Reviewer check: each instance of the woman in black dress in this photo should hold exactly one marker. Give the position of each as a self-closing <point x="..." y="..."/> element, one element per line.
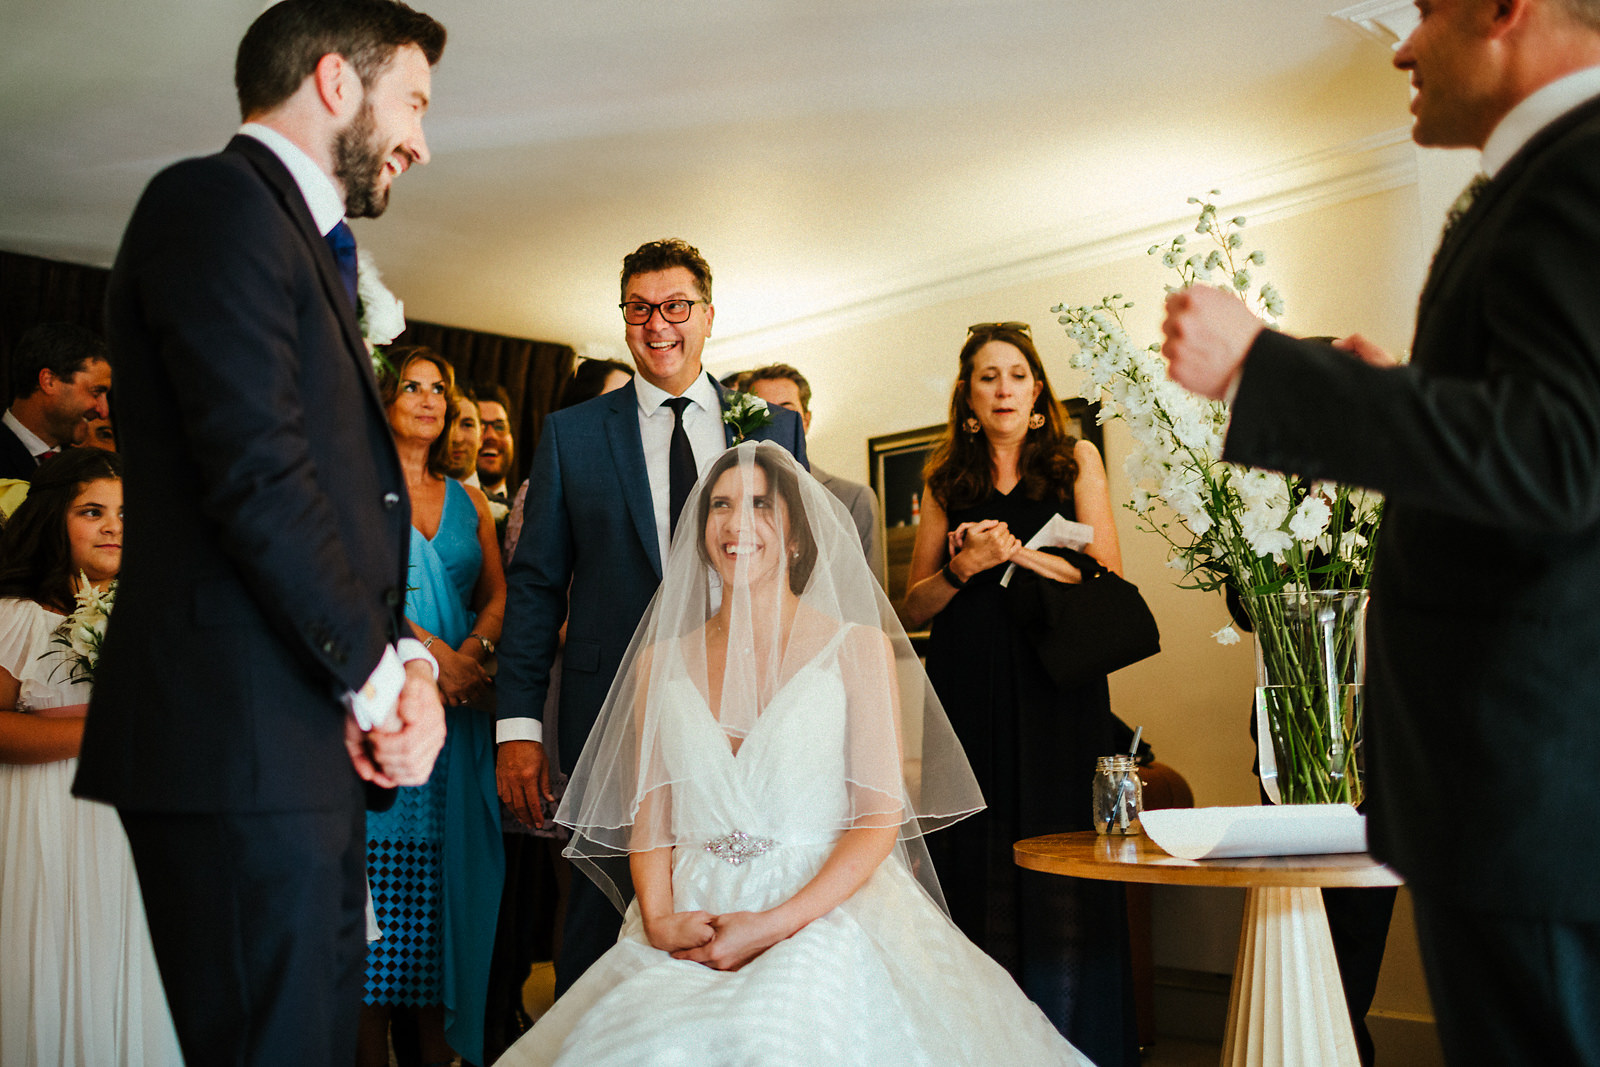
<point x="1005" y="467"/>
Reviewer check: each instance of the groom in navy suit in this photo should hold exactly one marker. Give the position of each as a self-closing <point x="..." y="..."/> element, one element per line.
<point x="1484" y="673"/>
<point x="258" y="633"/>
<point x="608" y="478"/>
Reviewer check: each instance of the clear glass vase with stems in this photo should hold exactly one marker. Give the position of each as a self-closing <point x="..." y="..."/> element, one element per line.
<point x="1310" y="667"/>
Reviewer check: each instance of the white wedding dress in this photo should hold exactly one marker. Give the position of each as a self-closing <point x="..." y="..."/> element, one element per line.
<point x="884" y="979"/>
<point x="78" y="979"/>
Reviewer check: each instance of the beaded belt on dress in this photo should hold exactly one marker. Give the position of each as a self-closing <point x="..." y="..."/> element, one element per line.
<point x="738" y="846"/>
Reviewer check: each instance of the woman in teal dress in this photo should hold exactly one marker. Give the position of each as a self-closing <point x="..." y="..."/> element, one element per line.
<point x="434" y="859"/>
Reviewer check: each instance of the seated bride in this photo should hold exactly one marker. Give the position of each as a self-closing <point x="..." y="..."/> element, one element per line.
<point x="761" y="775"/>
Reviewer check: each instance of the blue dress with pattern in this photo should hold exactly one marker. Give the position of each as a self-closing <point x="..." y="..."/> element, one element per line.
<point x="435" y="860"/>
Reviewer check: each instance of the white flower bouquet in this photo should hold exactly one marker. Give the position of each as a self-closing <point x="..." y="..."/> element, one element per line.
<point x="1268" y="536"/>
<point x="81" y="634"/>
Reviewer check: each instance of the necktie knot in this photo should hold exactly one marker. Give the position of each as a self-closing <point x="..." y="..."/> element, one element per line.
<point x="342" y="243"/>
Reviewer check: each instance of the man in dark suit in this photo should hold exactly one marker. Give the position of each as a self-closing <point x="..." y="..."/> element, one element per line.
<point x="600" y="508"/>
<point x="1484" y="671"/>
<point x="59" y="381"/>
<point x="258" y="622"/>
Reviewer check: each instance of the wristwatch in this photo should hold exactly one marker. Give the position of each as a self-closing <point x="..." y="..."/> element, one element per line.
<point x="488" y="645"/>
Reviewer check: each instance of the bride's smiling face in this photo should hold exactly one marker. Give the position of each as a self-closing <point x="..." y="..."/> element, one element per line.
<point x="757" y="535"/>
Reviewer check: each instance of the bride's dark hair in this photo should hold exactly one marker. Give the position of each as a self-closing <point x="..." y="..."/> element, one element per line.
<point x="35" y="555"/>
<point x="782" y="482"/>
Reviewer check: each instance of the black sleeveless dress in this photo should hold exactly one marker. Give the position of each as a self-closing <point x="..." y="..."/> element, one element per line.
<point x="1032" y="746"/>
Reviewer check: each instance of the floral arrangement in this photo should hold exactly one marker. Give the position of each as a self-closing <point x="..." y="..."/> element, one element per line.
<point x="382" y="315"/>
<point x="745" y="413"/>
<point x="81" y="634"/>
<point x="1264" y="534"/>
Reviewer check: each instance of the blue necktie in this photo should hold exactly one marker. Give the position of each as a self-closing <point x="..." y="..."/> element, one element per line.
<point x="343" y="244"/>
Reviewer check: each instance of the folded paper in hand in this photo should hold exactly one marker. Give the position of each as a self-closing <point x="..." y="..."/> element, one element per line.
<point x="1057" y="533"/>
<point x="1275" y="830"/>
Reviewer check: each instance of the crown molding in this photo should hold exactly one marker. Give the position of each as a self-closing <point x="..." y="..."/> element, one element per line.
<point x="1387" y="21"/>
<point x="1364" y="167"/>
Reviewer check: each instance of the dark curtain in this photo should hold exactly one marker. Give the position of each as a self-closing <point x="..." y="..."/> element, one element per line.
<point x="34" y="290"/>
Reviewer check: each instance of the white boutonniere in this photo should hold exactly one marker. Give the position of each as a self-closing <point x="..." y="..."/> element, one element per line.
<point x="81" y="633"/>
<point x="382" y="315"/>
<point x="746" y="413"/>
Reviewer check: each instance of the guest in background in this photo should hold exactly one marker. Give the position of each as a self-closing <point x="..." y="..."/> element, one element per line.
<point x="609" y="479"/>
<point x="78" y="978"/>
<point x="466" y="435"/>
<point x="59" y="380"/>
<point x="1004" y="468"/>
<point x="783" y="385"/>
<point x="434" y="859"/>
<point x="736" y="380"/>
<point x="498" y="450"/>
<point x="102" y="433"/>
<point x="534" y="867"/>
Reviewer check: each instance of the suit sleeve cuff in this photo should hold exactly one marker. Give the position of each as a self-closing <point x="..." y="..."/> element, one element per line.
<point x="518" y="730"/>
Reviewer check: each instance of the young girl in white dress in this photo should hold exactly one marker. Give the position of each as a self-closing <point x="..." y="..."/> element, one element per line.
<point x="78" y="980"/>
<point x="762" y="774"/>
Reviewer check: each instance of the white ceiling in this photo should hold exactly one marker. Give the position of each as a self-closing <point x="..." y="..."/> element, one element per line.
<point x="828" y="156"/>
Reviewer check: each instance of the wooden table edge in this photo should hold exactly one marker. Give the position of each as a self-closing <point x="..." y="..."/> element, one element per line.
<point x="1071" y="854"/>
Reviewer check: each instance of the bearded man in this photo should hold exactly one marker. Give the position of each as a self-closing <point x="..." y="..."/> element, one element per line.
<point x="256" y="674"/>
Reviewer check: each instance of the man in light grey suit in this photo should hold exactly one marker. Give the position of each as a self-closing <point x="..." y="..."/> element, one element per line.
<point x="595" y="529"/>
<point x="781" y="385"/>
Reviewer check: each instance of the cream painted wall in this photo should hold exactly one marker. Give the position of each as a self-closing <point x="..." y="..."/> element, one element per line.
<point x="1345" y="267"/>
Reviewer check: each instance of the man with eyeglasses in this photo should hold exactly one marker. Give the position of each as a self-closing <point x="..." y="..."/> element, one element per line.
<point x="608" y="479"/>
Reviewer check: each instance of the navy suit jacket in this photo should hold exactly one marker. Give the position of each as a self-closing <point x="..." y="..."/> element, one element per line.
<point x="1483" y="669"/>
<point x="588" y="526"/>
<point x="15" y="459"/>
<point x="268" y="523"/>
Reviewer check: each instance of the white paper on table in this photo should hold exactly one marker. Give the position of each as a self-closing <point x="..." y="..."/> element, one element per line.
<point x="1057" y="533"/>
<point x="1275" y="830"/>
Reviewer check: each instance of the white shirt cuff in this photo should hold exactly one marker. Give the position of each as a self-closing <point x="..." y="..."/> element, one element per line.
<point x="518" y="730"/>
<point x="374" y="703"/>
<point x="409" y="648"/>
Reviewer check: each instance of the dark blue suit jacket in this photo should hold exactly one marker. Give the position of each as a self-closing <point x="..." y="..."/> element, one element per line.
<point x="1483" y="669"/>
<point x="588" y="526"/>
<point x="267" y="518"/>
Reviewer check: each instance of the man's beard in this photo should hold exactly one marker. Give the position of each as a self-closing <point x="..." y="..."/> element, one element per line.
<point x="357" y="164"/>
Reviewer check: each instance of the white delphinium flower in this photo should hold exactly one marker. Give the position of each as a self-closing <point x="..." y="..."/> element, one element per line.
<point x="1310" y="519"/>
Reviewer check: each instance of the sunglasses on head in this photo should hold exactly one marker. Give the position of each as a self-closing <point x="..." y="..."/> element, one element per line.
<point x="991" y="327"/>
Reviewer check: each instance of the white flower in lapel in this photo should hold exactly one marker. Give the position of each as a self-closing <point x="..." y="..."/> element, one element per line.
<point x="382" y="315"/>
<point x="746" y="413"/>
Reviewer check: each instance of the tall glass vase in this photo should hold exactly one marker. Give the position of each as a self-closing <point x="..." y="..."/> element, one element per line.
<point x="1310" y="666"/>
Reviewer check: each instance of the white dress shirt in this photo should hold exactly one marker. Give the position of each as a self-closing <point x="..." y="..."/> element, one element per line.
<point x="702" y="421"/>
<point x="1535" y="113"/>
<point x="374" y="702"/>
<point x="36" y="445"/>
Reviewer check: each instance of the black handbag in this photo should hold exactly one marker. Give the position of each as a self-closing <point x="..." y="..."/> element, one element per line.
<point x="1084" y="630"/>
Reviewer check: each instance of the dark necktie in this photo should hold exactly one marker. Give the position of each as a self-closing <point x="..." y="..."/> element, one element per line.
<point x="680" y="465"/>
<point x="343" y="244"/>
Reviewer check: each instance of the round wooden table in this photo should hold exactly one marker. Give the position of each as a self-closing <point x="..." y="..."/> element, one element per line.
<point x="1287" y="1006"/>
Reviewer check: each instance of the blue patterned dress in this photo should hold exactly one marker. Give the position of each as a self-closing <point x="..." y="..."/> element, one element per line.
<point x="434" y="859"/>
